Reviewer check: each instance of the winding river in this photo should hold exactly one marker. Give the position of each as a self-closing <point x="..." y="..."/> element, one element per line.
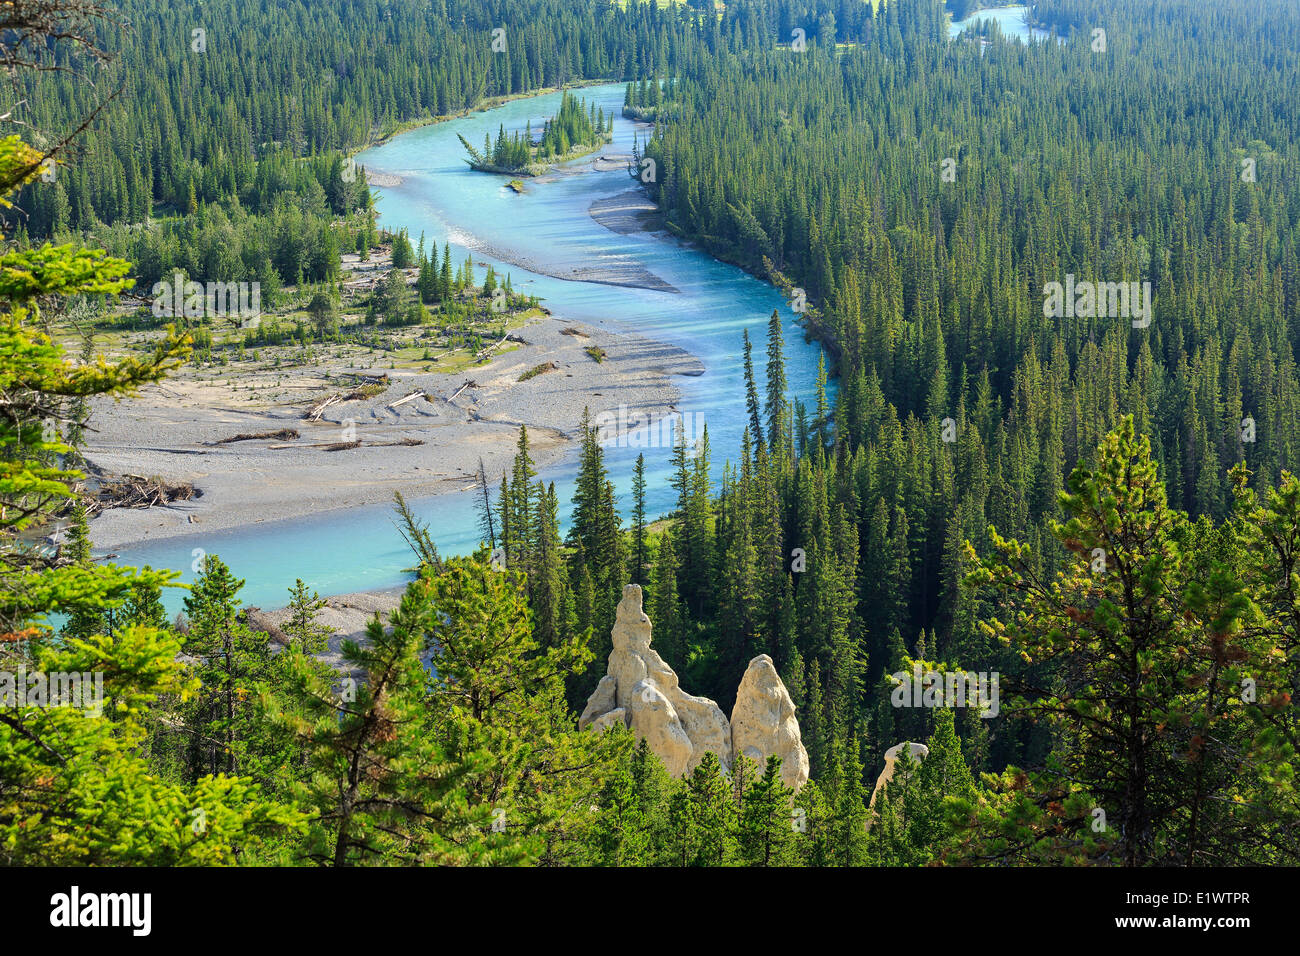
<point x="549" y="228"/>
<point x="1011" y="20"/>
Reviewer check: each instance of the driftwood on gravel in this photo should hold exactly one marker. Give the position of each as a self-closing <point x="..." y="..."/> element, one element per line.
<point x="469" y="383"/>
<point x="487" y="350"/>
<point x="318" y="408"/>
<point x="370" y="386"/>
<point x="406" y="398"/>
<point x="135" y="491"/>
<point x="284" y="434"/>
<point x="347" y="445"/>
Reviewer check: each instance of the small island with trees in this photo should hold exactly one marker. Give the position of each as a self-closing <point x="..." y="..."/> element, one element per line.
<point x="575" y="131"/>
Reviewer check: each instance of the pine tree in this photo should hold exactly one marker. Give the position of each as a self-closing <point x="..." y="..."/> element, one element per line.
<point x="711" y="813"/>
<point x="230" y="659"/>
<point x="1159" y="633"/>
<point x="445" y="283"/>
<point x="942" y="774"/>
<point x="383" y="786"/>
<point x="548" y="584"/>
<point x="496" y="690"/>
<point x="851" y="813"/>
<point x="638" y="522"/>
<point x="301" y="625"/>
<point x="777" y="407"/>
<point x="665" y="605"/>
<point x="519" y="507"/>
<point x="88" y="618"/>
<point x="751" y="392"/>
<point x="764" y="834"/>
<point x="143" y="607"/>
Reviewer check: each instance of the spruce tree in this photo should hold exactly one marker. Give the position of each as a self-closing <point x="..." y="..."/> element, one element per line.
<point x="764" y="831"/>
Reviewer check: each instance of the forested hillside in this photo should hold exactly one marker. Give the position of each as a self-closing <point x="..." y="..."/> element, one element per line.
<point x="923" y="193"/>
<point x="218" y="103"/>
<point x="1097" y="507"/>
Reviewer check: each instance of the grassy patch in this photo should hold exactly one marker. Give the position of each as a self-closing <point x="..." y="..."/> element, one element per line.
<point x="537" y="370"/>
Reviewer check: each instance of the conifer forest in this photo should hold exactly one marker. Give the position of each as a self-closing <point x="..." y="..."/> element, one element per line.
<point x="325" y="543"/>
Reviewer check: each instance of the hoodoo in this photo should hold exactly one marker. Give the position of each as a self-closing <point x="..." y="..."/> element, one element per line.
<point x="642" y="691"/>
<point x="763" y="722"/>
<point x="918" y="752"/>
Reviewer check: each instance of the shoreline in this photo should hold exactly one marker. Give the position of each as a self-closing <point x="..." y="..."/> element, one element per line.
<point x="482" y="106"/>
<point x="423" y="448"/>
<point x="347" y="615"/>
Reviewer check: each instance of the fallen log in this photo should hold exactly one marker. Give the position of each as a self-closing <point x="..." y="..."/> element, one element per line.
<point x="482" y="353"/>
<point x="316" y="410"/>
<point x="283" y="433"/>
<point x="371" y="386"/>
<point x="135" y="491"/>
<point x="402" y="401"/>
<point x="469" y="383"/>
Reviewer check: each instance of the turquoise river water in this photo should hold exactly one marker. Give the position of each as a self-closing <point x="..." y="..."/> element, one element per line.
<point x="354" y="549"/>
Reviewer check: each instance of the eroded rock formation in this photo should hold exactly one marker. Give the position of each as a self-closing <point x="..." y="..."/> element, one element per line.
<point x="643" y="692"/>
<point x="763" y="722"/>
<point x="918" y="751"/>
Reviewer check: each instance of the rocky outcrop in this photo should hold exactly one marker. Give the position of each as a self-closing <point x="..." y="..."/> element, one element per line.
<point x="763" y="722"/>
<point x="679" y="727"/>
<point x="643" y="693"/>
<point x="608" y="719"/>
<point x="918" y="751"/>
<point x="602" y="700"/>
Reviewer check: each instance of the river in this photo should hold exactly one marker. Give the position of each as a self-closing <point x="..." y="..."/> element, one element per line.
<point x="1010" y="20"/>
<point x="359" y="548"/>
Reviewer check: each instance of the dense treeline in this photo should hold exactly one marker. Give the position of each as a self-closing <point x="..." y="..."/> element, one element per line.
<point x="922" y="193"/>
<point x="569" y="130"/>
<point x="995" y="490"/>
<point x="309" y="78"/>
<point x="1128" y="165"/>
<point x="250" y="118"/>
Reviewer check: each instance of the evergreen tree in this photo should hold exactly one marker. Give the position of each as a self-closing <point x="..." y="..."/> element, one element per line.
<point x="764" y="834"/>
<point x="301" y="625"/>
<point x="383" y="786"/>
<point x="230" y="659"/>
